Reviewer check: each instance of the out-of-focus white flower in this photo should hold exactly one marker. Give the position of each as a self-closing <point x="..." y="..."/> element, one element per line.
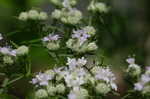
<point x="43" y="16"/>
<point x="66" y="4"/>
<point x="92" y="46"/>
<point x="130" y="60"/>
<point x="41" y="79"/>
<point x="33" y="14"/>
<point x="1" y="37"/>
<point x="56" y="14"/>
<point x="22" y="50"/>
<point x="67" y="16"/>
<point x="101" y="7"/>
<point x="98" y="7"/>
<point x="41" y="93"/>
<point x="23" y="16"/>
<point x="138" y="86"/>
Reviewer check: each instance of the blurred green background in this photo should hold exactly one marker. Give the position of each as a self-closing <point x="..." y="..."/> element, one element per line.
<point x="128" y="34"/>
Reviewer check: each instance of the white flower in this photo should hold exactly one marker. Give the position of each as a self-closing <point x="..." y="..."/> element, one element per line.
<point x="92" y="46"/>
<point x="66" y="4"/>
<point x="43" y="16"/>
<point x="22" y="50"/>
<point x="138" y="86"/>
<point x="81" y="61"/>
<point x="7" y="51"/>
<point x="33" y="14"/>
<point x="23" y="16"/>
<point x="51" y="37"/>
<point x="145" y="78"/>
<point x="101" y="7"/>
<point x="72" y="95"/>
<point x="81" y="35"/>
<point x="73" y="80"/>
<point x="105" y="74"/>
<point x="42" y="79"/>
<point x="130" y="60"/>
<point x="56" y="14"/>
<point x="72" y="63"/>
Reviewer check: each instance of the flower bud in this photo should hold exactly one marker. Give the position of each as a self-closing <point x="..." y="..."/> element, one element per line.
<point x="102" y="88"/>
<point x="22" y="50"/>
<point x="53" y="46"/>
<point x="56" y="14"/>
<point x="134" y="70"/>
<point x="90" y="30"/>
<point x="33" y="14"/>
<point x="23" y="16"/>
<point x="43" y="16"/>
<point x="60" y="88"/>
<point x="8" y="60"/>
<point x="92" y="46"/>
<point x="51" y="90"/>
<point x="41" y="93"/>
<point x="101" y="7"/>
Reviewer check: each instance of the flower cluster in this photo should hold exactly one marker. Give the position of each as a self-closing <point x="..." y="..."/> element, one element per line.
<point x="51" y="41"/>
<point x="143" y="84"/>
<point x="63" y="3"/>
<point x="9" y="55"/>
<point x="134" y="69"/>
<point x="33" y="15"/>
<point x="142" y="77"/>
<point x="67" y="16"/>
<point x="80" y="41"/>
<point x="98" y="7"/>
<point x="71" y="80"/>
